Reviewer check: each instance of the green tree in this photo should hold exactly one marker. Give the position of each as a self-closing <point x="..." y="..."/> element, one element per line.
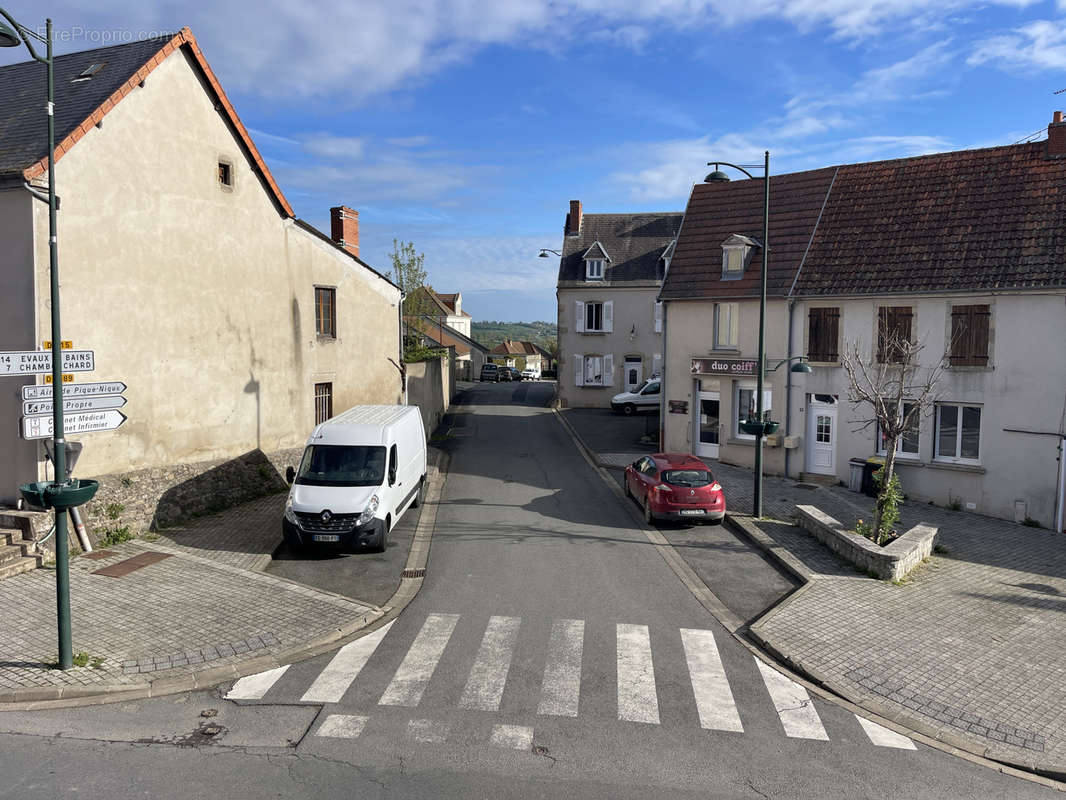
<point x="409" y="273"/>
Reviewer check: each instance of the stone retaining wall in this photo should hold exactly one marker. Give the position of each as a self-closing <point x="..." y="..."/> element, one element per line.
<point x="891" y="562"/>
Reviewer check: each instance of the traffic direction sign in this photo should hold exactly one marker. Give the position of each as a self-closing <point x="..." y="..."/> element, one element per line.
<point x="40" y="426"/>
<point x="75" y="390"/>
<point x="39" y="362"/>
<point x="74" y="404"/>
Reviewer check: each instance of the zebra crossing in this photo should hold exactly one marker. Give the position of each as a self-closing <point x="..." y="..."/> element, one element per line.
<point x="636" y="690"/>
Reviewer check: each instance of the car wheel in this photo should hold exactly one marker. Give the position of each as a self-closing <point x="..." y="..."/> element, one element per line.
<point x="648" y="516"/>
<point x="418" y="496"/>
<point x="625" y="488"/>
<point x="383" y="539"/>
<point x="629" y="409"/>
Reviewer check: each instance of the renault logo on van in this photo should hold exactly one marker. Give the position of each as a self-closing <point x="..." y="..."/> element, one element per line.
<point x="326" y="516"/>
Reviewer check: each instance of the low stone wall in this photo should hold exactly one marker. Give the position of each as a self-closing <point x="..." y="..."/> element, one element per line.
<point x="889" y="563"/>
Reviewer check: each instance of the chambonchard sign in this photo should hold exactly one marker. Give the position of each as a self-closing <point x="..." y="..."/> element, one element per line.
<point x="724" y="366"/>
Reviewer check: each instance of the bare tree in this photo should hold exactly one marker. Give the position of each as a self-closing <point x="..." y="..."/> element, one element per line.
<point x="880" y="388"/>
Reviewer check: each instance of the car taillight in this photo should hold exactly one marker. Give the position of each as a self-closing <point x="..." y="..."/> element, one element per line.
<point x="661" y="488"/>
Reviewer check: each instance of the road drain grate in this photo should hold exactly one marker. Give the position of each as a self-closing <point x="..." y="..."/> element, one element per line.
<point x="414" y="573"/>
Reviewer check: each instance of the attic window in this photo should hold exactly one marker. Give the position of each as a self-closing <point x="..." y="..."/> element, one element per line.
<point x="594" y="269"/>
<point x="225" y="174"/>
<point x="736" y="252"/>
<point x="89" y="72"/>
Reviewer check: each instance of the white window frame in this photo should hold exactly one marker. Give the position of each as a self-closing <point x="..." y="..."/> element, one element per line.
<point x="594" y="370"/>
<point x="734" y="326"/>
<point x="740" y="411"/>
<point x="735" y="253"/>
<point x="594" y="269"/>
<point x="900" y="452"/>
<point x="960" y="410"/>
<point x="581" y="311"/>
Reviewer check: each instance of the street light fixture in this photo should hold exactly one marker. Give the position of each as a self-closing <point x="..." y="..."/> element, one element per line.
<point x="756" y="426"/>
<point x="61" y="493"/>
<point x="544" y="253"/>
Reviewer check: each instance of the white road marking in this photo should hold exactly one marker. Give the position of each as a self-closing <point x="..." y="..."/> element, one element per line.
<point x="334" y="680"/>
<point x="253" y="687"/>
<point x="793" y="705"/>
<point x="561" y="689"/>
<point x="484" y="688"/>
<point x="883" y="737"/>
<point x="342" y="726"/>
<point x="418" y="665"/>
<point x="714" y="700"/>
<point x="425" y="730"/>
<point x="637" y="701"/>
<point x="516" y="736"/>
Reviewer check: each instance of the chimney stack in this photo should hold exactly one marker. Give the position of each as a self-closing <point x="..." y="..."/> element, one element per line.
<point x="344" y="228"/>
<point x="573" y="219"/>
<point x="1056" y="136"/>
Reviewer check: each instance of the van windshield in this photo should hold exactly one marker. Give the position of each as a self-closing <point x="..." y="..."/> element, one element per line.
<point x="342" y="465"/>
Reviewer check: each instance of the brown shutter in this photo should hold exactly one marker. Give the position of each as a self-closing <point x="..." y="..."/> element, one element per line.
<point x="982" y="316"/>
<point x="831" y="334"/>
<point x="969" y="335"/>
<point x="894" y="321"/>
<point x="960" y="344"/>
<point x="814" y="334"/>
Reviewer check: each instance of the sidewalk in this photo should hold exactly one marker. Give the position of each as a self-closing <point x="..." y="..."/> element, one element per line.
<point x="970" y="649"/>
<point x="182" y="609"/>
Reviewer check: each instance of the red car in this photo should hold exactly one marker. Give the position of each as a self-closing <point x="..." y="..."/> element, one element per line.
<point x="675" y="486"/>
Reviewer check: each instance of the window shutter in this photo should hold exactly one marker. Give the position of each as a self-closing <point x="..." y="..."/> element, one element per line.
<point x="960" y="345"/>
<point x="982" y="316"/>
<point x="608" y="316"/>
<point x="579" y="312"/>
<point x="814" y="334"/>
<point x="579" y="370"/>
<point x="657" y="364"/>
<point x="658" y="317"/>
<point x="831" y="333"/>
<point x="608" y="370"/>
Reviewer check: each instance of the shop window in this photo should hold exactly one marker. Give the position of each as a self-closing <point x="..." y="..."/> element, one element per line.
<point x="745" y="406"/>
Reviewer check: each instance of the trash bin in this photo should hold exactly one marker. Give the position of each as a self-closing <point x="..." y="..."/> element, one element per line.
<point x="869" y="467"/>
<point x="855" y="479"/>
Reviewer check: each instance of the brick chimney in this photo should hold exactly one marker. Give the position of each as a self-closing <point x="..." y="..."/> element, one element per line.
<point x="573" y="219"/>
<point x="1056" y="136"/>
<point x="344" y="228"/>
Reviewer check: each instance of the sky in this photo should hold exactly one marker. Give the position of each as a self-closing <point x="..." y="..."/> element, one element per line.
<point x="467" y="126"/>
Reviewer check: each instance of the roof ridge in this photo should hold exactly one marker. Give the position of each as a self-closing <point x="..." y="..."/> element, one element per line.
<point x="166" y="36"/>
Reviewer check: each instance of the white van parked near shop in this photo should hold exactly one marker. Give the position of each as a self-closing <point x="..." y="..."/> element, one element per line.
<point x="360" y="471"/>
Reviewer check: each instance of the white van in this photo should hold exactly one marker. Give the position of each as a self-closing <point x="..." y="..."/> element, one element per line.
<point x="360" y="471"/>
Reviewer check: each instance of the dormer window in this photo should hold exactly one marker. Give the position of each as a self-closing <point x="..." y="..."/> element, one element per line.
<point x="594" y="269"/>
<point x="736" y="252"/>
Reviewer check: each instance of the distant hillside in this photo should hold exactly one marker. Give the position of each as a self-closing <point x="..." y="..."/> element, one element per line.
<point x="491" y="334"/>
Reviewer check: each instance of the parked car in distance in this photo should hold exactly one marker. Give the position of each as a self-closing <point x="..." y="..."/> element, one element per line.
<point x="675" y="486"/>
<point x="530" y="374"/>
<point x="643" y="398"/>
<point x="515" y="374"/>
<point x="490" y="372"/>
<point x="505" y="374"/>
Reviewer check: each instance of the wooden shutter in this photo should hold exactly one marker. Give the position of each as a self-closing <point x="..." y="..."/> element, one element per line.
<point x="608" y="316"/>
<point x="658" y="317"/>
<point x="657" y="365"/>
<point x="579" y="370"/>
<point x="608" y="370"/>
<point x="892" y="322"/>
<point x="969" y="335"/>
<point x="579" y="316"/>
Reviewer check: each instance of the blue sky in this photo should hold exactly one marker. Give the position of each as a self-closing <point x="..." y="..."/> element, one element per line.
<point x="467" y="126"/>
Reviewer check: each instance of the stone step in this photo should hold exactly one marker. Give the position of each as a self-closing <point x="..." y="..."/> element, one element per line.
<point x="9" y="553"/>
<point x="24" y="564"/>
<point x="10" y="536"/>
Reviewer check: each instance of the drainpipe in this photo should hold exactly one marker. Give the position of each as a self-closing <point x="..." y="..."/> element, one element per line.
<point x="788" y="384"/>
<point x="662" y="388"/>
<point x="1062" y="484"/>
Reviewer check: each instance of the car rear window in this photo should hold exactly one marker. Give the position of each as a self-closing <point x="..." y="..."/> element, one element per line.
<point x="688" y="477"/>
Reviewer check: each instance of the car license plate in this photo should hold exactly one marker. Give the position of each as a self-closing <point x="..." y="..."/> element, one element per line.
<point x="326" y="537"/>
<point x="692" y="512"/>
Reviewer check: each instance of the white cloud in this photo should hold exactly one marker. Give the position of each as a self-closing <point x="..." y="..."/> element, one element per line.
<point x="1039" y="45"/>
<point x="341" y="147"/>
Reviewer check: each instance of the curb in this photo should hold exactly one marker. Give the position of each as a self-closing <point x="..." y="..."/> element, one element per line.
<point x="31" y="699"/>
<point x="891" y="718"/>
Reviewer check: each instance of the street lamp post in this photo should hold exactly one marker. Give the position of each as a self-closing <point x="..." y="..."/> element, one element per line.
<point x="12" y="37"/>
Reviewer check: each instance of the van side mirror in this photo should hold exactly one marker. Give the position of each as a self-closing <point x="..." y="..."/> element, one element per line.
<point x="290" y="474"/>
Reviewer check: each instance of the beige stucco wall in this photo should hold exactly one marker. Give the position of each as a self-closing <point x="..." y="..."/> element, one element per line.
<point x="689" y="335"/>
<point x="634" y="307"/>
<point x="200" y="299"/>
<point x="17" y="326"/>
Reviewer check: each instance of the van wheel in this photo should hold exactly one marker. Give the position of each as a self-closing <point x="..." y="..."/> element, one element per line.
<point x="418" y="497"/>
<point x="629" y="409"/>
<point x="383" y="539"/>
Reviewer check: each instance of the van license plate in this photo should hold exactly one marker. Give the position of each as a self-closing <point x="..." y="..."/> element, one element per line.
<point x="692" y="512"/>
<point x="327" y="537"/>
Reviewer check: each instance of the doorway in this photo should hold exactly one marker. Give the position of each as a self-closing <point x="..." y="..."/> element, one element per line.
<point x="707" y="423"/>
<point x="821" y="434"/>
<point x="634" y="373"/>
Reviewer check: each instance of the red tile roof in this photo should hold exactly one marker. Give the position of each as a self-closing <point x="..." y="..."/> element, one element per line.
<point x="509" y="348"/>
<point x="966" y="220"/>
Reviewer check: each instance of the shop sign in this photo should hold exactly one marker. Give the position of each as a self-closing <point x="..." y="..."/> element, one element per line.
<point x="725" y="366"/>
<point x="678" y="406"/>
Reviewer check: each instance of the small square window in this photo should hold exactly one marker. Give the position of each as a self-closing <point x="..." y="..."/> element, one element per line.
<point x="225" y="174"/>
<point x="326" y="312"/>
<point x="594" y="269"/>
<point x="323" y="402"/>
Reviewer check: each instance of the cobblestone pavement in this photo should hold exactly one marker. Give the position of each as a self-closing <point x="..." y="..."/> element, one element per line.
<point x="970" y="647"/>
<point x="196" y="606"/>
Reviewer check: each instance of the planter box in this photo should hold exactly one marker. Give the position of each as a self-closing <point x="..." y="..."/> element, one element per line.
<point x="891" y="562"/>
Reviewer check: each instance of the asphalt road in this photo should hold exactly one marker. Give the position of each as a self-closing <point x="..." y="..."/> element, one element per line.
<point x="551" y="652"/>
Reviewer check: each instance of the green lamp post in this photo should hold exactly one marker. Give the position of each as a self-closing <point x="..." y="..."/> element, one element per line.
<point x="60" y="493"/>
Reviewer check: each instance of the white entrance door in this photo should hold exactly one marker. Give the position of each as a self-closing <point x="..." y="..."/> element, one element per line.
<point x="707" y="424"/>
<point x="634" y="375"/>
<point x="821" y="434"/>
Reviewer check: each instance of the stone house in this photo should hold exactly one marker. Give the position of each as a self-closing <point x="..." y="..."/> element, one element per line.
<point x="523" y="355"/>
<point x="235" y="325"/>
<point x="610" y="323"/>
<point x="962" y="252"/>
